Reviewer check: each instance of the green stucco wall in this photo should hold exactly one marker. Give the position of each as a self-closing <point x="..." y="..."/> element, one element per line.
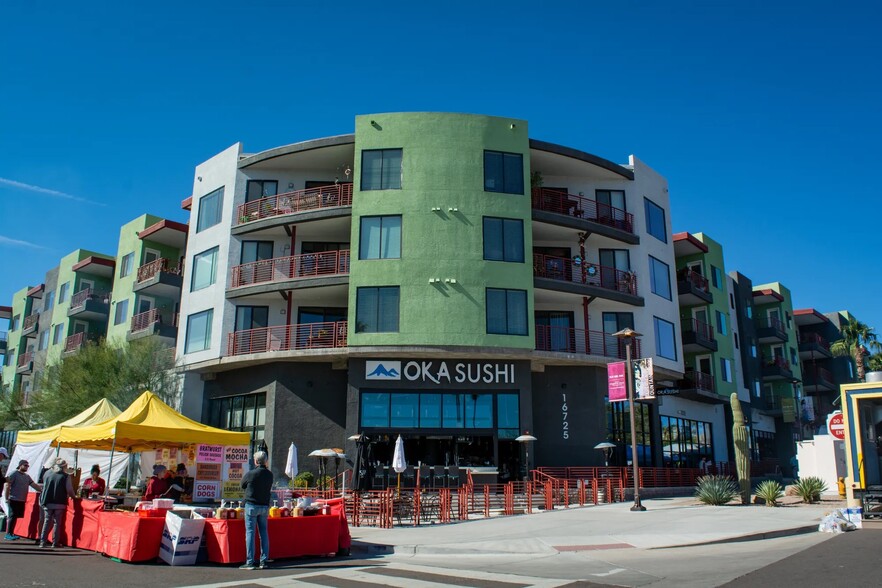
<point x="15" y="343"/>
<point x="781" y="388"/>
<point x="442" y="167"/>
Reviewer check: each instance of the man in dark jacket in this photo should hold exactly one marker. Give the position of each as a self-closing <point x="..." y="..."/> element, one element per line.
<point x="258" y="484"/>
<point x="57" y="488"/>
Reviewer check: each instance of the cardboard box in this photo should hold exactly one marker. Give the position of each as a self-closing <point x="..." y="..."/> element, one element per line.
<point x="181" y="538"/>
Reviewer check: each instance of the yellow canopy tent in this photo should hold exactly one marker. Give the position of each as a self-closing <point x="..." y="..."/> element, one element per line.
<point x="97" y="413"/>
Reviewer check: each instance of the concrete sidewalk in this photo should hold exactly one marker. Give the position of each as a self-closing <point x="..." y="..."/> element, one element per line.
<point x="667" y="522"/>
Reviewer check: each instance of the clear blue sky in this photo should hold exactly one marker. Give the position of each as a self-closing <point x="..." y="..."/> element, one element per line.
<point x="765" y="120"/>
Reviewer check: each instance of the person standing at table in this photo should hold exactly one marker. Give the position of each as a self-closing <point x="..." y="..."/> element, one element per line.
<point x="15" y="493"/>
<point x="57" y="488"/>
<point x="95" y="484"/>
<point x="258" y="484"/>
<point x="158" y="484"/>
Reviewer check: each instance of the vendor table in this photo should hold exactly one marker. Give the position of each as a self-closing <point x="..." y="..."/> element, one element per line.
<point x="80" y="526"/>
<point x="289" y="537"/>
<point x="129" y="537"/>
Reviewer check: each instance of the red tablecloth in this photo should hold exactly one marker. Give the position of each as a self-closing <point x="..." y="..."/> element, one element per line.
<point x="289" y="537"/>
<point x="128" y="536"/>
<point x="80" y="527"/>
<point x="337" y="508"/>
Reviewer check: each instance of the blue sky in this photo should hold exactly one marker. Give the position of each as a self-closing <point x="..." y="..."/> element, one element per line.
<point x="765" y="120"/>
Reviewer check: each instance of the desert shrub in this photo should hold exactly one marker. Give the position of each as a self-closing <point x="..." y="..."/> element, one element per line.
<point x="770" y="491"/>
<point x="810" y="489"/>
<point x="303" y="480"/>
<point x="716" y="490"/>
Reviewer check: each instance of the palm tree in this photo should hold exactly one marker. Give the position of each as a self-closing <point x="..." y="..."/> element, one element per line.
<point x="874" y="362"/>
<point x="856" y="339"/>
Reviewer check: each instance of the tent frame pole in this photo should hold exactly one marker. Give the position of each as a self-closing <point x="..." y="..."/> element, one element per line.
<point x="110" y="467"/>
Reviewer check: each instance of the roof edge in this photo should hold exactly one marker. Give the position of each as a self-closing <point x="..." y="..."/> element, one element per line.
<point x="582" y="156"/>
<point x="296" y="148"/>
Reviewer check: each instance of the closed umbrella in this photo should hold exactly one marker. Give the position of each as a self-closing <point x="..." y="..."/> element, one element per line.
<point x="291" y="465"/>
<point x="399" y="464"/>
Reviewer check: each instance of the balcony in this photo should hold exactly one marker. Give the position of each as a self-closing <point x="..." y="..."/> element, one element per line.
<point x="30" y="325"/>
<point x="817" y="379"/>
<point x="770" y="330"/>
<point x="581" y="342"/>
<point x="813" y="346"/>
<point x="287" y="338"/>
<point x="777" y="369"/>
<point x="4" y="338"/>
<point x="584" y="214"/>
<point x="585" y="279"/>
<point x="159" y="278"/>
<point x="698" y="337"/>
<point x="692" y="288"/>
<point x="77" y="341"/>
<point x="274" y="208"/>
<point x="90" y="305"/>
<point x="25" y="364"/>
<point x="699" y="386"/>
<point x="283" y="273"/>
<point x="156" y="322"/>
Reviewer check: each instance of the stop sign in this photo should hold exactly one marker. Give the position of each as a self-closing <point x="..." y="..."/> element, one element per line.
<point x="836" y="426"/>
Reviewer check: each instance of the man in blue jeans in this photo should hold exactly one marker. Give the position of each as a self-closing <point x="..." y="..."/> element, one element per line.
<point x="258" y="485"/>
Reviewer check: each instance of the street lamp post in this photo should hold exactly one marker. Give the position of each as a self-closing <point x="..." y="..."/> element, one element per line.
<point x="526" y="439"/>
<point x="607" y="449"/>
<point x="628" y="335"/>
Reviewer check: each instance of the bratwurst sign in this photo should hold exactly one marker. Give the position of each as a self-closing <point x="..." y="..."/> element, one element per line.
<point x="441" y="372"/>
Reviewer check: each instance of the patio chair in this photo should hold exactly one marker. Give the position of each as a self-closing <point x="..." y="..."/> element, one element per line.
<point x="439" y="477"/>
<point x="453" y="480"/>
<point x="425" y="476"/>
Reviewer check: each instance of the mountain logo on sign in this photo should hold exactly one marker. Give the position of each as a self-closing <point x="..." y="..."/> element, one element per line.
<point x="381" y="372"/>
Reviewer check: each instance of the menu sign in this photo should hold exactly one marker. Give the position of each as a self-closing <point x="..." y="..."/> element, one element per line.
<point x="208" y="471"/>
<point x="206" y="491"/>
<point x="210" y="454"/>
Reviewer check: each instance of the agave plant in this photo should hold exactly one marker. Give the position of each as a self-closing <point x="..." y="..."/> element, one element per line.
<point x="810" y="489"/>
<point x="716" y="490"/>
<point x="770" y="491"/>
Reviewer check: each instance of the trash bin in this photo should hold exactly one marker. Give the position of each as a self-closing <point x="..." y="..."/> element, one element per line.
<point x="181" y="538"/>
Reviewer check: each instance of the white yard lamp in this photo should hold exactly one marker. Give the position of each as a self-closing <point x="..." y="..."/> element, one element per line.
<point x="607" y="449"/>
<point x="526" y="439"/>
<point x="628" y="336"/>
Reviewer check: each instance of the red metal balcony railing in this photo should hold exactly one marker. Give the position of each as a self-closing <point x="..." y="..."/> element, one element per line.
<point x="695" y="278"/>
<point x="770" y="322"/>
<point x="307" y="265"/>
<point x="30" y="321"/>
<point x="24" y="359"/>
<point x="702" y="381"/>
<point x="814" y="338"/>
<point x="581" y="207"/>
<point x="701" y="329"/>
<point x="288" y="338"/>
<point x="148" y="270"/>
<point x="818" y="374"/>
<point x="74" y="342"/>
<point x="145" y="320"/>
<point x="778" y="362"/>
<point x="582" y="272"/>
<point x="298" y="201"/>
<point x="567" y="340"/>
<point x="80" y="298"/>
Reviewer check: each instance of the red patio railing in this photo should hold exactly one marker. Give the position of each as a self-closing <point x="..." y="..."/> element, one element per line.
<point x="288" y="338"/>
<point x="30" y="321"/>
<point x="582" y="207"/>
<point x="818" y="374"/>
<point x="814" y="338"/>
<point x="143" y="321"/>
<point x="81" y="297"/>
<point x="567" y="340"/>
<point x="148" y="270"/>
<point x="74" y="342"/>
<point x="297" y="201"/>
<point x="693" y="277"/>
<point x="583" y="272"/>
<point x="306" y="265"/>
<point x="703" y="381"/>
<point x="25" y="358"/>
<point x="701" y="329"/>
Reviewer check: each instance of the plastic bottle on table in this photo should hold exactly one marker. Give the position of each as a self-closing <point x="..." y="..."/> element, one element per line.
<point x="274" y="510"/>
<point x="240" y="510"/>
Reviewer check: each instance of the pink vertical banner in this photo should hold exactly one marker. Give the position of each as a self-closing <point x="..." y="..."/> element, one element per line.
<point x="616" y="383"/>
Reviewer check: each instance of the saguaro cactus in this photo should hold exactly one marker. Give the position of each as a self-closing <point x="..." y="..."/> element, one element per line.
<point x="742" y="448"/>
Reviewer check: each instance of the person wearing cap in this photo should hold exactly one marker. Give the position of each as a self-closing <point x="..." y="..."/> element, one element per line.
<point x="15" y="493"/>
<point x="57" y="488"/>
<point x="179" y="484"/>
<point x="158" y="484"/>
<point x="95" y="484"/>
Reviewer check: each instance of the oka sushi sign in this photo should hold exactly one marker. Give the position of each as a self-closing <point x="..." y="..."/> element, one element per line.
<point x="441" y="372"/>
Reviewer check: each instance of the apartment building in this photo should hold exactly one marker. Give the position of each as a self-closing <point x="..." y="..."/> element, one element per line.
<point x="442" y="276"/>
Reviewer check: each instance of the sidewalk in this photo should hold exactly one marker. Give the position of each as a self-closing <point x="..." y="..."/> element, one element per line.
<point x="667" y="522"/>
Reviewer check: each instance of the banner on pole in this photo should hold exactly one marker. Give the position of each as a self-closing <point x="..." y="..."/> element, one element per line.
<point x="644" y="383"/>
<point x="616" y="383"/>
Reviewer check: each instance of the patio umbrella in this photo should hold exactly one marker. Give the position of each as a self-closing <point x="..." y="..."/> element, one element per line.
<point x="399" y="464"/>
<point x="291" y="465"/>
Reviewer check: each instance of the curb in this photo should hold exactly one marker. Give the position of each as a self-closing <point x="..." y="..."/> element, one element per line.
<point x="752" y="537"/>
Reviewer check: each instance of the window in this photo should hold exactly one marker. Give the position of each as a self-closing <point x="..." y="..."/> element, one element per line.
<point x="726" y="369"/>
<point x="246" y="413"/>
<point x="721" y="323"/>
<point x="199" y="331"/>
<point x="380" y="237"/>
<point x="432" y="410"/>
<point x="122" y="312"/>
<point x="381" y="169"/>
<point x="57" y="331"/>
<point x="794" y="358"/>
<point x="16" y="322"/>
<point x="210" y="210"/>
<point x="503" y="172"/>
<point x="685" y="442"/>
<point x="62" y="292"/>
<point x="731" y="300"/>
<point x="716" y="276"/>
<point x="655" y="220"/>
<point x="506" y="312"/>
<point x="735" y="335"/>
<point x="665" y="343"/>
<point x="376" y="310"/>
<point x="125" y="267"/>
<point x="50" y="300"/>
<point x="748" y="311"/>
<point x="503" y="239"/>
<point x="44" y="340"/>
<point x="753" y="350"/>
<point x="251" y="317"/>
<point x="756" y="388"/>
<point x="258" y="189"/>
<point x="660" y="275"/>
<point x="619" y="428"/>
<point x="256" y="251"/>
<point x="204" y="269"/>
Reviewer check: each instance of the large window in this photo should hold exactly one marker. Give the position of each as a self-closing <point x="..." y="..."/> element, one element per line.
<point x="685" y="442"/>
<point x="442" y="410"/>
<point x="716" y="277"/>
<point x="503" y="172"/>
<point x="619" y="430"/>
<point x="376" y="310"/>
<point x="245" y="413"/>
<point x="381" y="169"/>
<point x="204" y="269"/>
<point x="503" y="239"/>
<point x="726" y="369"/>
<point x="16" y="322"/>
<point x="57" y="333"/>
<point x="44" y="340"/>
<point x="126" y="265"/>
<point x="50" y="300"/>
<point x="63" y="292"/>
<point x="665" y="342"/>
<point x="721" y="323"/>
<point x="199" y="331"/>
<point x="506" y="312"/>
<point x="655" y="220"/>
<point x="258" y="189"/>
<point x="210" y="210"/>
<point x="121" y="312"/>
<point x="660" y="276"/>
<point x="251" y="317"/>
<point x="380" y="237"/>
